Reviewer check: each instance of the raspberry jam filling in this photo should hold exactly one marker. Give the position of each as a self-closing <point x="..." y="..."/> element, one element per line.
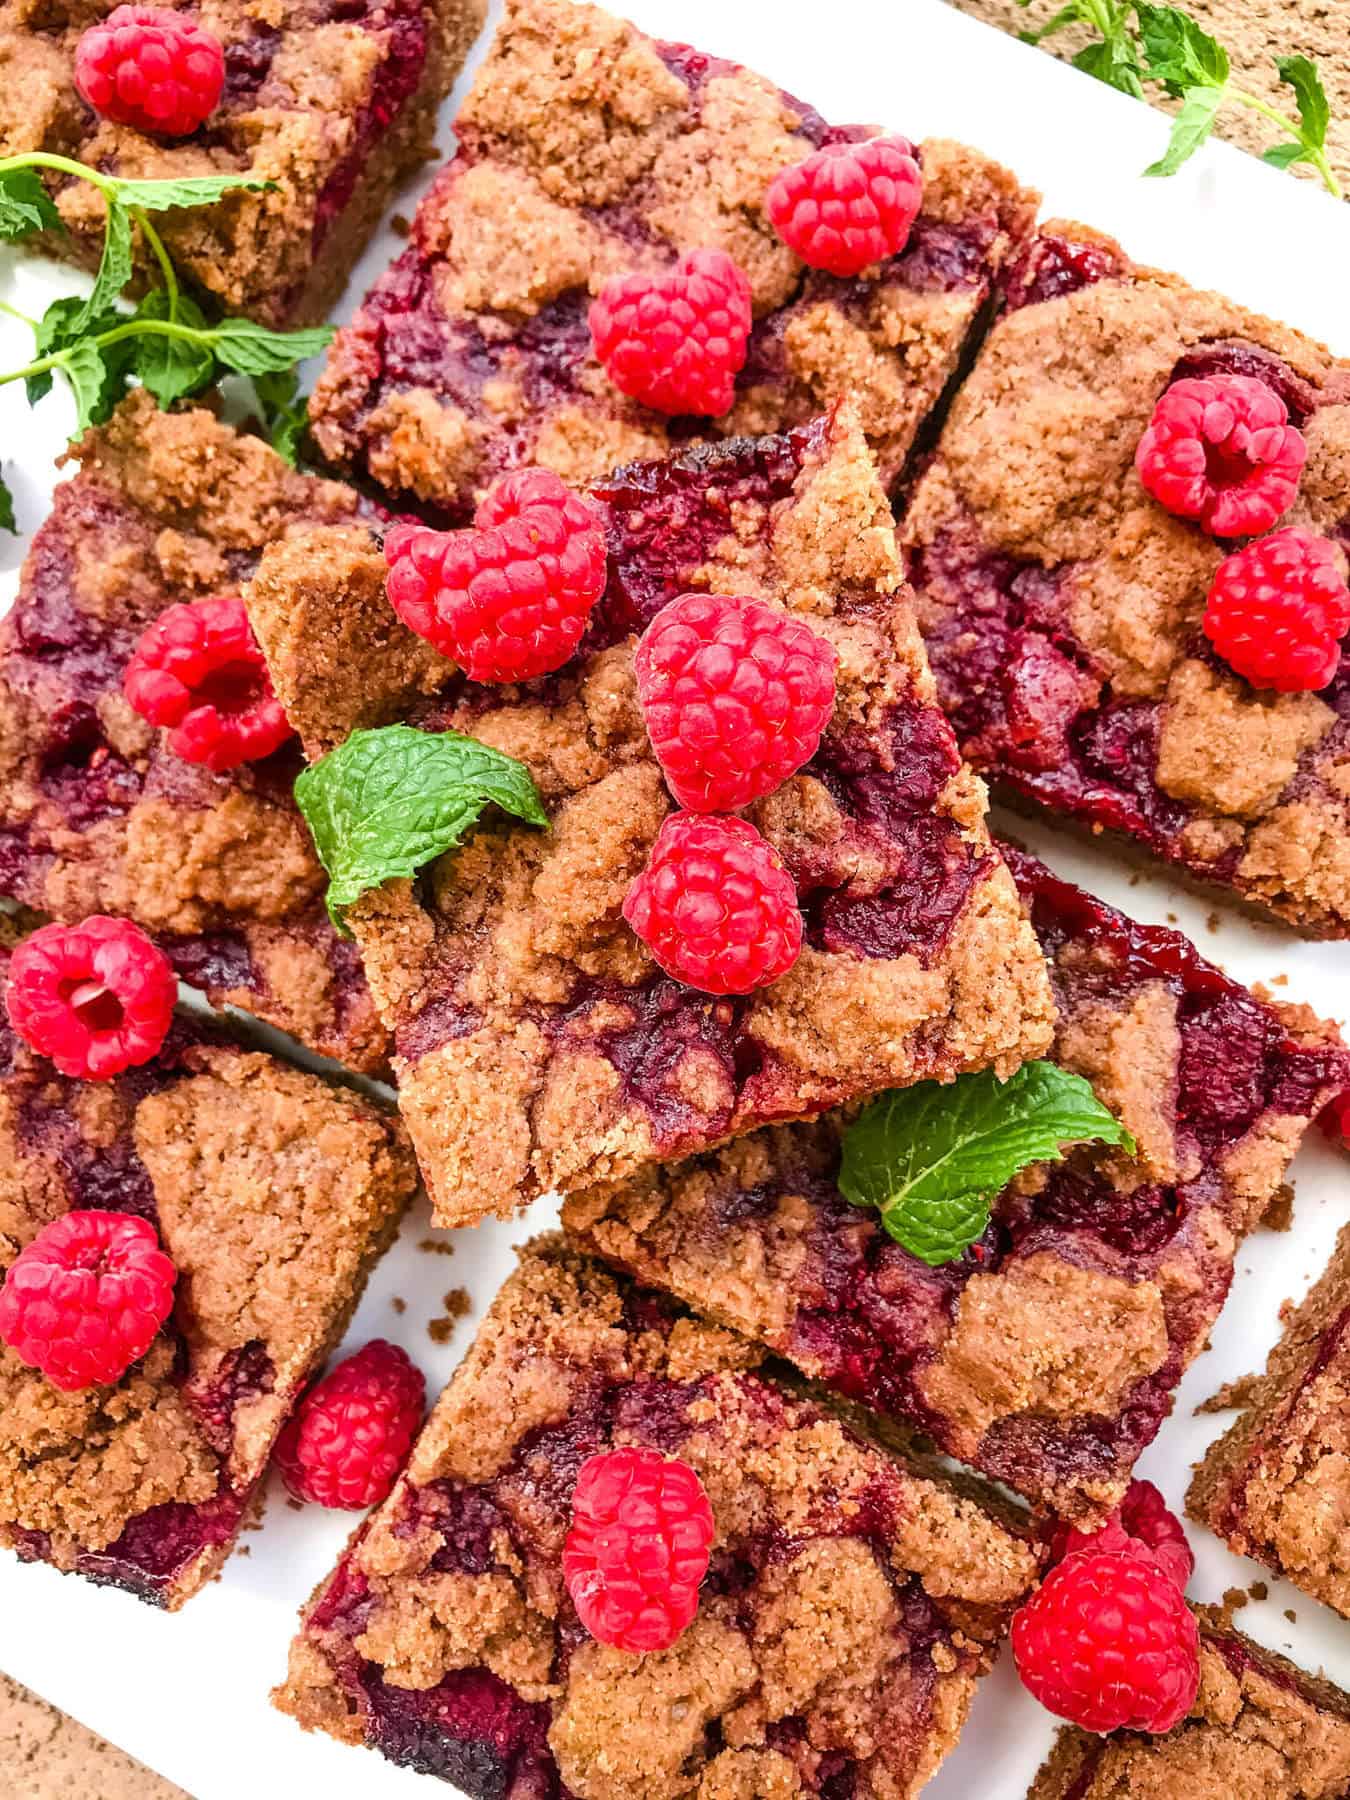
<point x="472" y="1728"/>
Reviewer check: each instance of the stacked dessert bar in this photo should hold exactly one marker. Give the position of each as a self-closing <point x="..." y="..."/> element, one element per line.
<point x="729" y="1353"/>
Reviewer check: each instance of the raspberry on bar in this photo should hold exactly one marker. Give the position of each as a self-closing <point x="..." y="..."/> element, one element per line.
<point x="97" y="812"/>
<point x="331" y="106"/>
<point x="270" y="1194"/>
<point x="852" y="1601"/>
<point x="537" y="1042"/>
<point x="590" y="154"/>
<point x="1110" y="661"/>
<point x="1047" y="1355"/>
<point x="1259" y="1725"/>
<point x="1276" y="1485"/>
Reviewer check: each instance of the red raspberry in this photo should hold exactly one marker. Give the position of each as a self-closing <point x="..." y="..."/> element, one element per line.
<point x="1222" y="450"/>
<point x="849" y="205"/>
<point x="85" y="1299"/>
<point x="351" y="1434"/>
<point x="1335" y="1119"/>
<point x="715" y="905"/>
<point x="638" y="1548"/>
<point x="199" y="672"/>
<point x="1142" y="1521"/>
<point x="1108" y="1642"/>
<point x="96" y="998"/>
<point x="1278" y="609"/>
<point x="735" y="695"/>
<point x="511" y="599"/>
<point x="676" y="341"/>
<point x="151" y="68"/>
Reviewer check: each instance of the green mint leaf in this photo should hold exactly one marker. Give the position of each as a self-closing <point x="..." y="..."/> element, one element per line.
<point x="7" y="508"/>
<point x="932" y="1158"/>
<point x="1284" y="156"/>
<point x="1190" y="128"/>
<point x="63" y="327"/>
<point x="1067" y="15"/>
<point x="1112" y="63"/>
<point x="1178" y="53"/>
<point x="171" y="367"/>
<point x="194" y="190"/>
<point x="285" y="412"/>
<point x="1314" y="109"/>
<point x="114" y="269"/>
<point x="91" y="382"/>
<point x="25" y="205"/>
<point x="252" y="349"/>
<point x="391" y="799"/>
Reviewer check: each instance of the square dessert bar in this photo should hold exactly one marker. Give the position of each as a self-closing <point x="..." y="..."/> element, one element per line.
<point x="331" y="101"/>
<point x="272" y="1193"/>
<point x="1062" y="605"/>
<point x="587" y="149"/>
<point x="1047" y="1355"/>
<point x="1259" y="1726"/>
<point x="852" y="1600"/>
<point x="537" y="1045"/>
<point x="1276" y="1486"/>
<point x="96" y="812"/>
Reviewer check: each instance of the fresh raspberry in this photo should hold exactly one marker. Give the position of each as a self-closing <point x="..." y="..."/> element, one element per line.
<point x="715" y="905"/>
<point x="735" y="695"/>
<point x="96" y="998"/>
<point x="151" y="68"/>
<point x="849" y="205"/>
<point x="510" y="599"/>
<point x="1335" y="1118"/>
<point x="199" y="672"/>
<point x="1278" y="609"/>
<point x="85" y="1299"/>
<point x="676" y="341"/>
<point x="638" y="1548"/>
<point x="1142" y="1521"/>
<point x="351" y="1434"/>
<point x="1221" y="450"/>
<point x="1107" y="1642"/>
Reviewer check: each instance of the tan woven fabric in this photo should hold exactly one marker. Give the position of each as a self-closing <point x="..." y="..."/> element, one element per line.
<point x="46" y="1756"/>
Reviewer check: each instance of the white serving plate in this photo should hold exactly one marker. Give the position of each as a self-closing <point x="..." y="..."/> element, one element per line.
<point x="188" y="1694"/>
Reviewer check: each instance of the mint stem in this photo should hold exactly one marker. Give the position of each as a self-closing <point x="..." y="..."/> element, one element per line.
<point x="1317" y="157"/>
<point x="132" y="328"/>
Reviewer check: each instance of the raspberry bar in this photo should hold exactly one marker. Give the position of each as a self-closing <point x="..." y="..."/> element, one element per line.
<point x="97" y="814"/>
<point x="536" y="1042"/>
<point x="273" y="1194"/>
<point x="1048" y="1353"/>
<point x="332" y="105"/>
<point x="1276" y="1486"/>
<point x="1259" y="1725"/>
<point x="588" y="150"/>
<point x="1063" y="605"/>
<point x="851" y="1603"/>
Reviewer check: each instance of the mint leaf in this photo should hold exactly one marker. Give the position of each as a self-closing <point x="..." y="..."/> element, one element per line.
<point x="7" y="508"/>
<point x="285" y="412"/>
<point x="1314" y="109"/>
<point x="56" y="329"/>
<point x="254" y="350"/>
<point x="114" y="269"/>
<point x="391" y="799"/>
<point x="1283" y="156"/>
<point x="1114" y="63"/>
<point x="1190" y="128"/>
<point x="25" y="205"/>
<point x="172" y="367"/>
<point x="194" y="190"/>
<point x="932" y="1158"/>
<point x="96" y="384"/>
<point x="1178" y="53"/>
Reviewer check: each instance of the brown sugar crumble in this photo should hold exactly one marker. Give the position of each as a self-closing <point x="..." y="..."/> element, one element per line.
<point x="456" y="1304"/>
<point x="331" y="109"/>
<point x="1276" y="1485"/>
<point x="537" y="1044"/>
<point x="399" y="1305"/>
<point x="854" y="1599"/>
<point x="437" y="1246"/>
<point x="587" y="149"/>
<point x="273" y="1194"/>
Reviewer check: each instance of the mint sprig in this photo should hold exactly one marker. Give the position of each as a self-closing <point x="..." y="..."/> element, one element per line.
<point x="391" y="799"/>
<point x="1134" y="45"/>
<point x="932" y="1158"/>
<point x="100" y="346"/>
